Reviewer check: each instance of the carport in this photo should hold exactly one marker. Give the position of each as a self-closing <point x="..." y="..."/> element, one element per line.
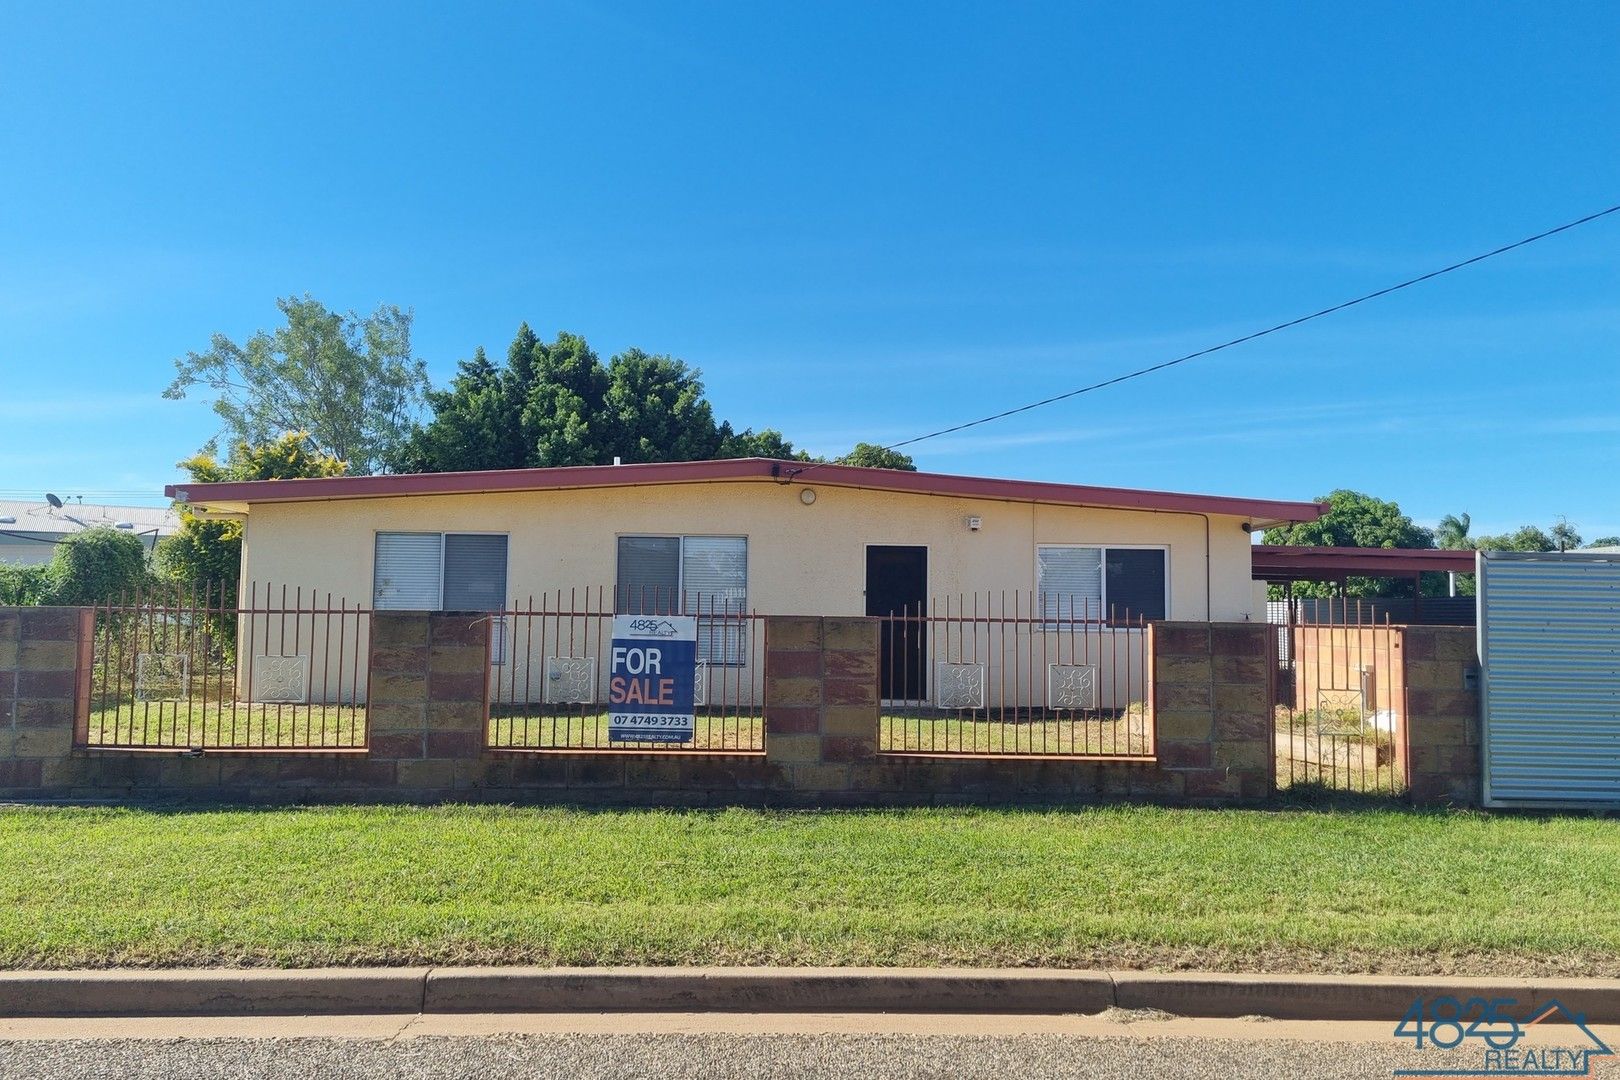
<point x="1283" y="565"/>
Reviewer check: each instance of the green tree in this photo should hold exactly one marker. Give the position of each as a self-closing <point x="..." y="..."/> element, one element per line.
<point x="1356" y="519"/>
<point x="205" y="555"/>
<point x="25" y="586"/>
<point x="349" y="381"/>
<point x="1605" y="541"/>
<point x="872" y="456"/>
<point x="1452" y="533"/>
<point x="1565" y="536"/>
<point x="563" y="407"/>
<point x="555" y="403"/>
<point x="1524" y="538"/>
<point x="768" y="443"/>
<point x="474" y="425"/>
<point x="97" y="566"/>
<point x="655" y="410"/>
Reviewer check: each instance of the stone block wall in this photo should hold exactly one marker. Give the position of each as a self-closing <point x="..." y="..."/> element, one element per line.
<point x="427" y="708"/>
<point x="1212" y="708"/>
<point x="1210" y="684"/>
<point x="41" y="671"/>
<point x="1443" y="725"/>
<point x="426" y="699"/>
<point x="821" y="690"/>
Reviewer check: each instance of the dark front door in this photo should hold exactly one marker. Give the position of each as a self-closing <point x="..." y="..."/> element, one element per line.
<point x="896" y="591"/>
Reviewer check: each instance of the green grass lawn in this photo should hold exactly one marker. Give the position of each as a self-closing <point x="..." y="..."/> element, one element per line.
<point x="529" y="726"/>
<point x="191" y="723"/>
<point x="1339" y="752"/>
<point x="1112" y="736"/>
<point x="1375" y="890"/>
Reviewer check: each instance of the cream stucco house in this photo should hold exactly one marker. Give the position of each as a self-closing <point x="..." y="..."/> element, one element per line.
<point x="749" y="535"/>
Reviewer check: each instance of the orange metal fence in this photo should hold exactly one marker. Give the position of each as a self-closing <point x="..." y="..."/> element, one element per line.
<point x="1013" y="673"/>
<point x="177" y="668"/>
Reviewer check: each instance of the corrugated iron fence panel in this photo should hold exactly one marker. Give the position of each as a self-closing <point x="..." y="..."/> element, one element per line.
<point x="550" y="666"/>
<point x="1549" y="644"/>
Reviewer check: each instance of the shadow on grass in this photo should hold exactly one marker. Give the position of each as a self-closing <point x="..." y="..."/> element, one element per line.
<point x="1314" y="796"/>
<point x="1319" y="800"/>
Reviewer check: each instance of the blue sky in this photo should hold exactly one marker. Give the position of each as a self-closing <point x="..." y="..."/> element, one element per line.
<point x="861" y="221"/>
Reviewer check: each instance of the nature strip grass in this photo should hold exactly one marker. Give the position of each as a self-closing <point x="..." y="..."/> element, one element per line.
<point x="1375" y="890"/>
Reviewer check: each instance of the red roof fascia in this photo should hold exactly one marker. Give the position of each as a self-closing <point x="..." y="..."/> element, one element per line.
<point x="688" y="472"/>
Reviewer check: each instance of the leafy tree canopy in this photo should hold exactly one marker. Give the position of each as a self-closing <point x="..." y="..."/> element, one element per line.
<point x="206" y="554"/>
<point x="1452" y="532"/>
<point x="556" y="403"/>
<point x="95" y="566"/>
<point x="1355" y="520"/>
<point x="348" y="381"/>
<point x="1605" y="541"/>
<point x="1561" y="537"/>
<point x="872" y="456"/>
<point x="1524" y="538"/>
<point x="25" y="586"/>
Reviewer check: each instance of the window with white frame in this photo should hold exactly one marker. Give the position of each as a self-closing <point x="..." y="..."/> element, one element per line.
<point x="706" y="576"/>
<point x="1080" y="582"/>
<point x="417" y="571"/>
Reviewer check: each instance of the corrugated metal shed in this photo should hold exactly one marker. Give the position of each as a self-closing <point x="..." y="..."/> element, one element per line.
<point x="1549" y="646"/>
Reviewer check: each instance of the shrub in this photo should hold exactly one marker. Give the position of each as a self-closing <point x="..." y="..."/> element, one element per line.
<point x="24" y="585"/>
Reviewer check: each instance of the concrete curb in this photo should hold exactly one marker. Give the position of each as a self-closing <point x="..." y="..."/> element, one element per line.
<point x="248" y="992"/>
<point x="329" y="991"/>
<point x="766" y="990"/>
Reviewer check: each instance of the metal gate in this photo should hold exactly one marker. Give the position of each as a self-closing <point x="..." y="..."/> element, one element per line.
<point x="1549" y="647"/>
<point x="1339" y="702"/>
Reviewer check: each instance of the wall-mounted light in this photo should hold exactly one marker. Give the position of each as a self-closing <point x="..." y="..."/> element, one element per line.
<point x="807" y="495"/>
<point x="974" y="523"/>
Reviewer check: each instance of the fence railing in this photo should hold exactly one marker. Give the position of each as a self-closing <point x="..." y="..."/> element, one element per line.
<point x="180" y="668"/>
<point x="1001" y="673"/>
<point x="550" y="667"/>
<point x="1339" y="701"/>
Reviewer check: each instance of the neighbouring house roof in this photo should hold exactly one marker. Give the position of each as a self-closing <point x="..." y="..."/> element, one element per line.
<point x="236" y="498"/>
<point x="1275" y="562"/>
<point x="42" y="518"/>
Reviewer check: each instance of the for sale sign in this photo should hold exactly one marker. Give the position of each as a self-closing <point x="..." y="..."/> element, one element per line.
<point x="654" y="673"/>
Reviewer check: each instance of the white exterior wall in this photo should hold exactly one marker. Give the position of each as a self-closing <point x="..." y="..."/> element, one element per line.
<point x="802" y="560"/>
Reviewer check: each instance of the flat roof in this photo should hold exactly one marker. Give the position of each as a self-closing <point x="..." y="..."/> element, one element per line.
<point x="238" y="497"/>
<point x="1277" y="562"/>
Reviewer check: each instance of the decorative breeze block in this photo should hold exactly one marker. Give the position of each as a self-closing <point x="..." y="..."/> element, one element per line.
<point x="700" y="684"/>
<point x="958" y="686"/>
<point x="161" y="676"/>
<point x="282" y="679"/>
<point x="1071" y="686"/>
<point x="570" y="680"/>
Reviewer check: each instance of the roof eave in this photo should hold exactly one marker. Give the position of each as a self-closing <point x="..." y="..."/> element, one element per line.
<point x="243" y="494"/>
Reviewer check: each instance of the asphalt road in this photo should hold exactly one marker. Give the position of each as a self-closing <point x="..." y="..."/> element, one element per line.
<point x="984" y="1047"/>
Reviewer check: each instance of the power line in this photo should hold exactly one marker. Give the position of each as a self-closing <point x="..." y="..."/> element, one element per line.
<point x="1139" y="372"/>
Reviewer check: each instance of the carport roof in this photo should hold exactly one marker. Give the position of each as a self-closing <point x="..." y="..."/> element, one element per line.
<point x="1275" y="562"/>
<point x="238" y="497"/>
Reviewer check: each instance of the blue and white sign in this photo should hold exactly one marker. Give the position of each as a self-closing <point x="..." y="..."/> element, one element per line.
<point x="653" y="676"/>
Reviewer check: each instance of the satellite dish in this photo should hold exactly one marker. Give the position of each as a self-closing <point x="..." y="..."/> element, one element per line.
<point x="53" y="500"/>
